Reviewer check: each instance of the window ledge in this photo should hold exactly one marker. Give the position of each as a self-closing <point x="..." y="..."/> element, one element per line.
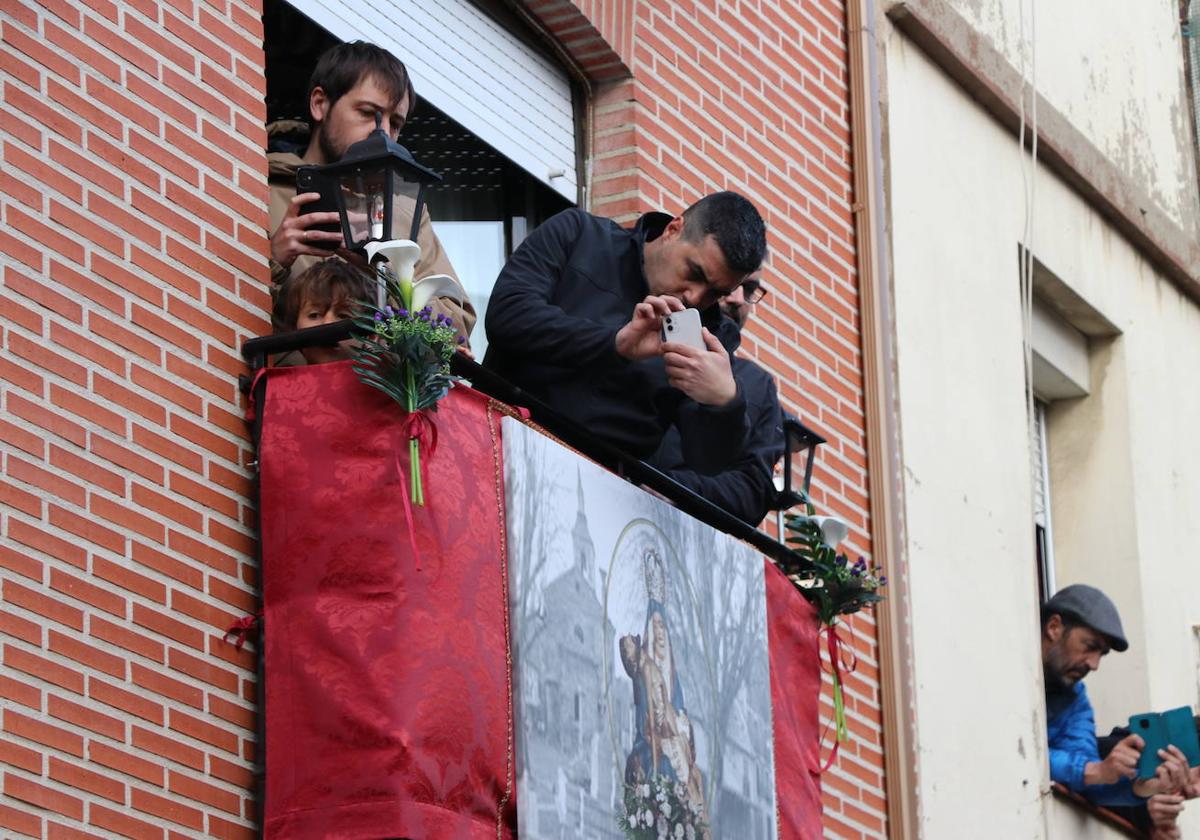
<point x="1106" y="816"/>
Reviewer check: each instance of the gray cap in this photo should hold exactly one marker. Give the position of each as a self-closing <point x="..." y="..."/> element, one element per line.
<point x="1092" y="607"/>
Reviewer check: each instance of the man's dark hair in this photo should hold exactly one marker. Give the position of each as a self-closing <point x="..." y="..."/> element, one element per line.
<point x="340" y="68"/>
<point x="1069" y="620"/>
<point x="736" y="224"/>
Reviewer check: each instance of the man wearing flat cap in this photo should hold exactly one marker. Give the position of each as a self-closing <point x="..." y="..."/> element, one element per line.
<point x="1079" y="626"/>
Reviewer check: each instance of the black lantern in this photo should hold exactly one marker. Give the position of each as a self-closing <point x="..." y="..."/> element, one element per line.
<point x="799" y="438"/>
<point x="379" y="189"/>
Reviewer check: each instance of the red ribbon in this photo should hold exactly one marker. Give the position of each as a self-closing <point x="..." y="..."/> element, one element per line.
<point x="841" y="656"/>
<point x="250" y="394"/>
<point x="419" y="425"/>
<point x="241" y="629"/>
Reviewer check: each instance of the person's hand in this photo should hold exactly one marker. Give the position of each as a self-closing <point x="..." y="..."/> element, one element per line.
<point x="1192" y="789"/>
<point x="1175" y="767"/>
<point x="640" y="338"/>
<point x="1169" y="777"/>
<point x="295" y="237"/>
<point x="1119" y="764"/>
<point x="1166" y="832"/>
<point x="1165" y="808"/>
<point x="704" y="375"/>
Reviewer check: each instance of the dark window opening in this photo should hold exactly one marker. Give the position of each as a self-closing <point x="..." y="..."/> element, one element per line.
<point x="484" y="206"/>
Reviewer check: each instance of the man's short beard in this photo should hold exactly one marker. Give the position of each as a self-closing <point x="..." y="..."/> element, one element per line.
<point x="328" y="152"/>
<point x="1055" y="676"/>
<point x="739" y="314"/>
<point x="1055" y="681"/>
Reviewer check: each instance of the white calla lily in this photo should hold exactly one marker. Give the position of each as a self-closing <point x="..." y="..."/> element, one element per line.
<point x="436" y="286"/>
<point x="401" y="256"/>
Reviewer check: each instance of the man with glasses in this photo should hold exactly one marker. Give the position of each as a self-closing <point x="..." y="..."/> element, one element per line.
<point x="576" y="314"/>
<point x="745" y="488"/>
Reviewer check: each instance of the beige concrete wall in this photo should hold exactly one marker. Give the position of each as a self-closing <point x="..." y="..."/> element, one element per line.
<point x="967" y="489"/>
<point x="1125" y="461"/>
<point x="1115" y="69"/>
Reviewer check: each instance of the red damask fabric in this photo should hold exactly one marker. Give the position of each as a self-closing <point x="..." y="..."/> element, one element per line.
<point x="386" y="674"/>
<point x="387" y="686"/>
<point x="795" y="688"/>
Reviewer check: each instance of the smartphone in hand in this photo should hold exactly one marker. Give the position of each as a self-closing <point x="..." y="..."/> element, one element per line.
<point x="684" y="327"/>
<point x="1176" y="727"/>
<point x="309" y="179"/>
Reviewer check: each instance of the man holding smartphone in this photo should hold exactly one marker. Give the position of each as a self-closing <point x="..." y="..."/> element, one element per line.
<point x="1080" y="625"/>
<point x="350" y="84"/>
<point x="577" y="312"/>
<point x="745" y="488"/>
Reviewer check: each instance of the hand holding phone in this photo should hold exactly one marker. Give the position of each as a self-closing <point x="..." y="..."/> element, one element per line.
<point x="1159" y="730"/>
<point x="683" y="327"/>
<point x="695" y="361"/>
<point x="299" y="234"/>
<point x="640" y="338"/>
<point x="324" y="233"/>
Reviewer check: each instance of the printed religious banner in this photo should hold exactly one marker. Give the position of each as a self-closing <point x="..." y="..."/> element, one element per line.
<point x="641" y="686"/>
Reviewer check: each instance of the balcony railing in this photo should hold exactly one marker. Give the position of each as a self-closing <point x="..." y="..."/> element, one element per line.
<point x="257" y="351"/>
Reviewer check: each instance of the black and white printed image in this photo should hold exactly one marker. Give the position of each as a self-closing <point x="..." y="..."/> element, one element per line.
<point x="641" y="686"/>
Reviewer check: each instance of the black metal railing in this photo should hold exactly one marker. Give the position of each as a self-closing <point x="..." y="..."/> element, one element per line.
<point x="257" y="351"/>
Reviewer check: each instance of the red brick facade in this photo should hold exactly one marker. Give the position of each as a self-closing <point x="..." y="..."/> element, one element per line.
<point x="133" y="260"/>
<point x="132" y="254"/>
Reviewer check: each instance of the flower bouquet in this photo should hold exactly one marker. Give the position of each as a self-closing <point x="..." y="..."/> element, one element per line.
<point x="408" y="358"/>
<point x="660" y="809"/>
<point x="833" y="585"/>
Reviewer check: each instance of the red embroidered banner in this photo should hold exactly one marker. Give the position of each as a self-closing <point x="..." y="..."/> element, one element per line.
<point x="387" y="688"/>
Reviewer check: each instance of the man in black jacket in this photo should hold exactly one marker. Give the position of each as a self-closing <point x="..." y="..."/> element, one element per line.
<point x="575" y="316"/>
<point x="745" y="488"/>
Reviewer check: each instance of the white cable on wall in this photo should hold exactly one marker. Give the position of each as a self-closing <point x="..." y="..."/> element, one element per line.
<point x="1029" y="182"/>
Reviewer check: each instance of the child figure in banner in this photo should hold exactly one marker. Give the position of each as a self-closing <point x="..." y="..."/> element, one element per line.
<point x="323" y="293"/>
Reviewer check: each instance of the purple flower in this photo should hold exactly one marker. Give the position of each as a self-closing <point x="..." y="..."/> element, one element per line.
<point x="378" y="316"/>
<point x="403" y="313"/>
<point x="462" y="339"/>
<point x="390" y="312"/>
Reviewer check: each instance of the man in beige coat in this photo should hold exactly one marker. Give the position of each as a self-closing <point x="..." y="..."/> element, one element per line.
<point x="350" y="84"/>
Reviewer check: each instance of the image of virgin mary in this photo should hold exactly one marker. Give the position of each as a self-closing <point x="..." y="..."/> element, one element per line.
<point x="663" y="744"/>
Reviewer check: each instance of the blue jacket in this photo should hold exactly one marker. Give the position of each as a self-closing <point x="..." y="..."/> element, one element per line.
<point x="1071" y="733"/>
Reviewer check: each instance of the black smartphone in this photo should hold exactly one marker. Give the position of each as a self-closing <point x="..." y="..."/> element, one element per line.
<point x="310" y="179"/>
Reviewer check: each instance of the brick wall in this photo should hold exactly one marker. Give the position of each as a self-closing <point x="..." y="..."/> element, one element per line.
<point x="132" y="265"/>
<point x="754" y="97"/>
<point x="132" y="212"/>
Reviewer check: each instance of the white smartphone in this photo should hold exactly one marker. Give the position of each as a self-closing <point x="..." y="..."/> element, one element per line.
<point x="684" y="327"/>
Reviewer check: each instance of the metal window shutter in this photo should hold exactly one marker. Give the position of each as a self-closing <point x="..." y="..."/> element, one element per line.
<point x="478" y="73"/>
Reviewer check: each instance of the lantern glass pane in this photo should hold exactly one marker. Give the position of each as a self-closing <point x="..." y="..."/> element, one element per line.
<point x="363" y="199"/>
<point x="404" y="202"/>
